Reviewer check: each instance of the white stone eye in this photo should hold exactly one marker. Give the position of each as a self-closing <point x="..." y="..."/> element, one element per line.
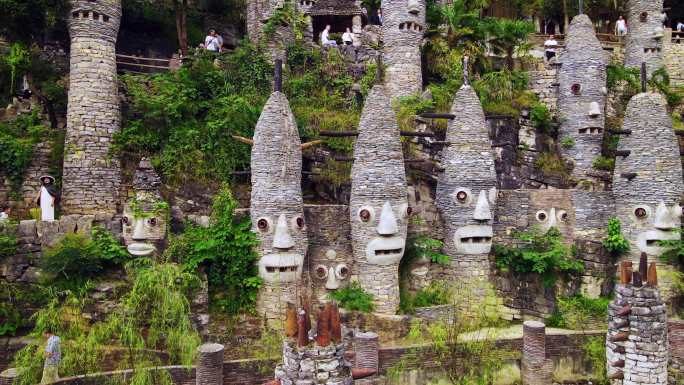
<point x="463" y="195"/>
<point x="542" y="216"/>
<point x="264" y="225"/>
<point x="298" y="223"/>
<point x="125" y="221"/>
<point x="405" y="210"/>
<point x="366" y="214"/>
<point x="321" y="272"/>
<point x="342" y="271"/>
<point x="641" y="212"/>
<point x="562" y="216"/>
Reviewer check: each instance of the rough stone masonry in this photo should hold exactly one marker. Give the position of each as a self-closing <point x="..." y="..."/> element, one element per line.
<point x="91" y="176"/>
<point x="644" y="34"/>
<point x="403" y="25"/>
<point x="582" y="96"/>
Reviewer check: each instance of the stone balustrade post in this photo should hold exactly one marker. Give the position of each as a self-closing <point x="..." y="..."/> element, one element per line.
<point x="209" y="364"/>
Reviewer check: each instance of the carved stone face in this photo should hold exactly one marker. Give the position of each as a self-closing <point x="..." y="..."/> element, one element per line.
<point x="474" y="235"/>
<point x="404" y="16"/>
<point x="331" y="273"/>
<point x="144" y="224"/>
<point x="654" y="224"/>
<point x="552" y="208"/>
<point x="283" y="244"/>
<point x="379" y="227"/>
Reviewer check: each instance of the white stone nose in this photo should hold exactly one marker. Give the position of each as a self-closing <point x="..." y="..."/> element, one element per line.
<point x="552" y="219"/>
<point x="387" y="225"/>
<point x="594" y="109"/>
<point x="482" y="211"/>
<point x="332" y="283"/>
<point x="139" y="229"/>
<point x="282" y="238"/>
<point x="413" y="7"/>
<point x="663" y="217"/>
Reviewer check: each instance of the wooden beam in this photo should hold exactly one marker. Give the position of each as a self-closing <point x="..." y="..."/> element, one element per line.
<point x="628" y="175"/>
<point x="623" y="153"/>
<point x="338" y="134"/>
<point x="419" y="134"/>
<point x="620" y="132"/>
<point x="436" y="115"/>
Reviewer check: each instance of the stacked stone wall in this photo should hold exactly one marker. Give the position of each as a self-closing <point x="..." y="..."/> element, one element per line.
<point x="642" y="44"/>
<point x="673" y="52"/>
<point x="91" y="176"/>
<point x="675" y="335"/>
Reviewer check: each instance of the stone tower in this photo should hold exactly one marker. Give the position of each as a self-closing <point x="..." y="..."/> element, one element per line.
<point x="648" y="180"/>
<point x="277" y="208"/>
<point x="582" y="95"/>
<point x="466" y="190"/>
<point x="91" y="176"/>
<point x="644" y="34"/>
<point x="378" y="205"/>
<point x="403" y="25"/>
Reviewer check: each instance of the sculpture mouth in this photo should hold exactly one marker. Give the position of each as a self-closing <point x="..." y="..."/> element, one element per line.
<point x="385" y="250"/>
<point x="141" y="249"/>
<point x="473" y="239"/>
<point x="649" y="241"/>
<point x="410" y="26"/>
<point x="281" y="267"/>
<point x="591" y="130"/>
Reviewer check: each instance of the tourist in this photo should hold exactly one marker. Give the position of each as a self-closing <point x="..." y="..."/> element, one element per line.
<point x="680" y="26"/>
<point x="213" y="41"/>
<point x="325" y="38"/>
<point x="347" y="37"/>
<point x="53" y="355"/>
<point x="621" y="27"/>
<point x="379" y="16"/>
<point x="5" y="213"/>
<point x="550" y="47"/>
<point x="47" y="198"/>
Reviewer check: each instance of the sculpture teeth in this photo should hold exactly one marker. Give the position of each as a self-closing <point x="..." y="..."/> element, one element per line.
<point x="281" y="269"/>
<point x="388" y="251"/>
<point x="476" y="240"/>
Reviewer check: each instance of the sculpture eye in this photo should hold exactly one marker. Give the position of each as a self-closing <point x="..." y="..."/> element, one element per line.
<point x="124" y="220"/>
<point x="321" y="272"/>
<point x="643" y="17"/>
<point x="576" y="88"/>
<point x="640" y="213"/>
<point x="342" y="271"/>
<point x="563" y="216"/>
<point x="364" y="215"/>
<point x="542" y="216"/>
<point x="262" y="225"/>
<point x="298" y="223"/>
<point x="409" y="211"/>
<point x="461" y="196"/>
<point x="152" y="221"/>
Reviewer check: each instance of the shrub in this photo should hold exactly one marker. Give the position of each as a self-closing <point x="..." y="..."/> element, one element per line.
<point x="541" y="117"/>
<point x="603" y="163"/>
<point x="8" y="244"/>
<point x="552" y="165"/>
<point x="226" y="249"/>
<point x="579" y="312"/>
<point x="568" y="143"/>
<point x="353" y="297"/>
<point x="426" y="247"/>
<point x="673" y="249"/>
<point x="595" y="351"/>
<point x="437" y="293"/>
<point x="541" y="253"/>
<point x="18" y="139"/>
<point x="614" y="241"/>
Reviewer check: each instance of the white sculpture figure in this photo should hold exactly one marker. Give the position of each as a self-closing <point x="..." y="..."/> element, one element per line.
<point x="48" y="197"/>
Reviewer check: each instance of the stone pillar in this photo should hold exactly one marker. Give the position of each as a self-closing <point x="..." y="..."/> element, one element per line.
<point x="536" y="369"/>
<point x="675" y="336"/>
<point x="91" y="176"/>
<point x="209" y="364"/>
<point x="8" y="377"/>
<point x="644" y="34"/>
<point x="403" y="25"/>
<point x="366" y="349"/>
<point x="314" y="364"/>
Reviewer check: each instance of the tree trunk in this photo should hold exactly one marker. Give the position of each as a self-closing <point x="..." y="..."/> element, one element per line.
<point x="181" y="24"/>
<point x="566" y="17"/>
<point x="509" y="58"/>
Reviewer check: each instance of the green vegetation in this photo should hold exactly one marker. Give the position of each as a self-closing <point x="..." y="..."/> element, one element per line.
<point x="603" y="163"/>
<point x="568" y="143"/>
<point x="541" y="119"/>
<point x="542" y="253"/>
<point x="226" y="251"/>
<point x="8" y="241"/>
<point x="353" y="297"/>
<point x="18" y="139"/>
<point x="437" y="293"/>
<point x="660" y="81"/>
<point x="552" y="164"/>
<point x="424" y="247"/>
<point x="595" y="351"/>
<point x="614" y="241"/>
<point x="579" y="312"/>
<point x="674" y="249"/>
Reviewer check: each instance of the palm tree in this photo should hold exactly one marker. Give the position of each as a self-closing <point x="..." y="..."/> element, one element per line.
<point x="508" y="37"/>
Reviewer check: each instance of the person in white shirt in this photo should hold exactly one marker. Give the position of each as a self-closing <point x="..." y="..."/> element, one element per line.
<point x="213" y="41"/>
<point x="347" y="38"/>
<point x="680" y="27"/>
<point x="621" y="27"/>
<point x="550" y="47"/>
<point x="325" y="38"/>
<point x="5" y="213"/>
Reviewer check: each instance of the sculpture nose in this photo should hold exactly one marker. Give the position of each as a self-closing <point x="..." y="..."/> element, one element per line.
<point x="664" y="220"/>
<point x="387" y="225"/>
<point x="413" y="7"/>
<point x="282" y="238"/>
<point x="552" y="219"/>
<point x="332" y="283"/>
<point x="139" y="230"/>
<point x="594" y="109"/>
<point x="482" y="211"/>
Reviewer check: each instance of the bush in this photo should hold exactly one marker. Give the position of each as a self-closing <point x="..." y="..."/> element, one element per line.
<point x="18" y="139"/>
<point x="603" y="163"/>
<point x="437" y="293"/>
<point x="8" y="245"/>
<point x="226" y="249"/>
<point x="353" y="297"/>
<point x="614" y="241"/>
<point x="426" y="247"/>
<point x="579" y="312"/>
<point x="595" y="351"/>
<point x="568" y="143"/>
<point x="541" y="253"/>
<point x="541" y="117"/>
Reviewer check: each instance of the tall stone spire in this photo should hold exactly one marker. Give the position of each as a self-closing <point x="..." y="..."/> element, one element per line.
<point x="644" y="34"/>
<point x="92" y="177"/>
<point x="582" y="95"/>
<point x="403" y="25"/>
<point x="378" y="204"/>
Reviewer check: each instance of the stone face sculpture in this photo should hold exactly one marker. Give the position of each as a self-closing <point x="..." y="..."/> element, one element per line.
<point x="644" y="36"/>
<point x="91" y="176"/>
<point x="466" y="190"/>
<point x="378" y="206"/>
<point x="277" y="205"/>
<point x="552" y="208"/>
<point x="145" y="216"/>
<point x="403" y="25"/>
<point x="648" y="182"/>
<point x="582" y="95"/>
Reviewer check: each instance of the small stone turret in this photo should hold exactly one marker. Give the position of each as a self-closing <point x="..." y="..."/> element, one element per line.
<point x="403" y="25"/>
<point x="378" y="205"/>
<point x="582" y="95"/>
<point x="644" y="34"/>
<point x="466" y="190"/>
<point x="92" y="177"/>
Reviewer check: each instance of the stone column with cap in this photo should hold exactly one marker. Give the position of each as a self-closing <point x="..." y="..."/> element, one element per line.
<point x="536" y="368"/>
<point x="8" y="376"/>
<point x="643" y="43"/>
<point x="209" y="364"/>
<point x="91" y="176"/>
<point x="366" y="350"/>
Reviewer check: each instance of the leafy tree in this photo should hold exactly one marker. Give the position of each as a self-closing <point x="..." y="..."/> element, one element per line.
<point x="509" y="37"/>
<point x="29" y="20"/>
